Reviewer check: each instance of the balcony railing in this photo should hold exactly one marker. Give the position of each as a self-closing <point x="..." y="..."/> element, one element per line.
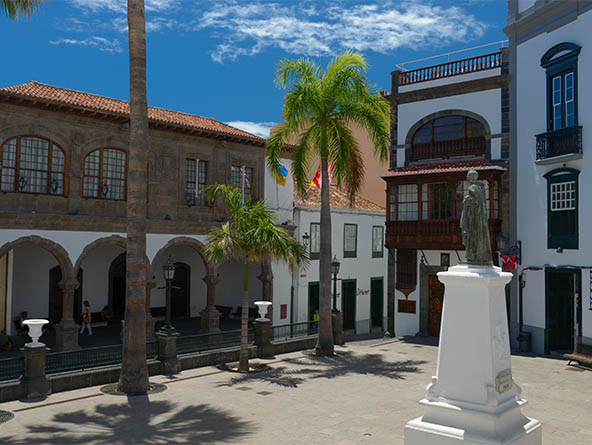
<point x="449" y="69"/>
<point x="453" y="147"/>
<point x="437" y="234"/>
<point x="562" y="142"/>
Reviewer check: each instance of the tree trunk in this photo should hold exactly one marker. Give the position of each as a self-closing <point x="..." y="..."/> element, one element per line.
<point x="325" y="341"/>
<point x="243" y="361"/>
<point x="134" y="372"/>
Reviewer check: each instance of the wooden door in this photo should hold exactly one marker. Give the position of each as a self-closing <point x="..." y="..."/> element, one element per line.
<point x="560" y="310"/>
<point x="376" y="301"/>
<point x="436" y="292"/>
<point x="348" y="303"/>
<point x="180" y="291"/>
<point x="313" y="299"/>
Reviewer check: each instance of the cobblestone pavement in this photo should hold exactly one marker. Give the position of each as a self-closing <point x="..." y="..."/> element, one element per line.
<point x="365" y="395"/>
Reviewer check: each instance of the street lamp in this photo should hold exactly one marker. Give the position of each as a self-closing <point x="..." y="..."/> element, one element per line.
<point x="168" y="270"/>
<point x="335" y="270"/>
<point x="305" y="240"/>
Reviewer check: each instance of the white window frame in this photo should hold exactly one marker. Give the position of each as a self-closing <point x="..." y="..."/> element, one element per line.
<point x="563" y="196"/>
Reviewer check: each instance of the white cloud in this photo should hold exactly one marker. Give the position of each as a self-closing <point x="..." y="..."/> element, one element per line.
<point x="259" y="128"/>
<point x="100" y="43"/>
<point x="307" y="29"/>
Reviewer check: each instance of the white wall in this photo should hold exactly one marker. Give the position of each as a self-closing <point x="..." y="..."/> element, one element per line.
<point x="362" y="268"/>
<point x="531" y="186"/>
<point x="525" y="4"/>
<point x="229" y="291"/>
<point x="95" y="275"/>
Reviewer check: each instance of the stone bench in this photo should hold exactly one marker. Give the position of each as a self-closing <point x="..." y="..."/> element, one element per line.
<point x="582" y="354"/>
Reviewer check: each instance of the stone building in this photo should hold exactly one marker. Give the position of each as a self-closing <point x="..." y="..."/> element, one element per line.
<point x="449" y="118"/>
<point x="64" y="161"/>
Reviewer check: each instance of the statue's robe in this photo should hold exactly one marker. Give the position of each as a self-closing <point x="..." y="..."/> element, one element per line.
<point x="474" y="223"/>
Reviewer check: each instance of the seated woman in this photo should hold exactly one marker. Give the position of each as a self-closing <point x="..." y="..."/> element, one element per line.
<point x="21" y="329"/>
<point x="107" y="314"/>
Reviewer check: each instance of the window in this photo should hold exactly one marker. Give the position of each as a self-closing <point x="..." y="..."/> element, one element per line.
<point x="562" y="208"/>
<point x="242" y="178"/>
<point x="561" y="63"/>
<point x="105" y="174"/>
<point x="196" y="173"/>
<point x="32" y="164"/>
<point x="350" y="240"/>
<point x="436" y="201"/>
<point x="315" y="241"/>
<point x="403" y="202"/>
<point x="377" y="241"/>
<point x="406" y="270"/>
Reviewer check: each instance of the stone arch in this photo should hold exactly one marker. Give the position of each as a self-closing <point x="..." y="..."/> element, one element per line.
<point x="35" y="129"/>
<point x="444" y="113"/>
<point x="184" y="241"/>
<point x="113" y="240"/>
<point x="52" y="247"/>
<point x="120" y="143"/>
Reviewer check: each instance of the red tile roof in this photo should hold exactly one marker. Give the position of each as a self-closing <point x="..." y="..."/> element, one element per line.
<point x="40" y="92"/>
<point x="444" y="167"/>
<point x="338" y="199"/>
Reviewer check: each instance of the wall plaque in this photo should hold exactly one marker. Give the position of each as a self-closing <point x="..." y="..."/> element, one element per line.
<point x="503" y="381"/>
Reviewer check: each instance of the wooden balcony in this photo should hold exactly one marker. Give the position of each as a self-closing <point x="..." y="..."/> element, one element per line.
<point x="451" y="148"/>
<point x="450" y="69"/>
<point x="432" y="234"/>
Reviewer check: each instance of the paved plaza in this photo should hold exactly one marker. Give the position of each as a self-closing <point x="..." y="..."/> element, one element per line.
<point x="364" y="395"/>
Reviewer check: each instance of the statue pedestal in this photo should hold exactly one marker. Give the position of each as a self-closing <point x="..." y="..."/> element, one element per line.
<point x="473" y="399"/>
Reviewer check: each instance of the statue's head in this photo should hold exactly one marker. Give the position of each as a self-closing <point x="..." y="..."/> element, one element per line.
<point x="472" y="176"/>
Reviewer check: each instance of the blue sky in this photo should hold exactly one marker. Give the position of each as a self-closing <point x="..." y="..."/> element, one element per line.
<point x="217" y="58"/>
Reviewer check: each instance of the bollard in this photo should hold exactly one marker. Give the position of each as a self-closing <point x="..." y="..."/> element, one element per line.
<point x="263" y="338"/>
<point x="167" y="352"/>
<point x="34" y="381"/>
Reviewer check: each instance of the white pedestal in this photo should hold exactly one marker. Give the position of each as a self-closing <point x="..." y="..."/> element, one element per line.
<point x="473" y="399"/>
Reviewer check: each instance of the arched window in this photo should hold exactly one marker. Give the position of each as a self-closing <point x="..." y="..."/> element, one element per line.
<point x="448" y="136"/>
<point x="105" y="174"/>
<point x="32" y="164"/>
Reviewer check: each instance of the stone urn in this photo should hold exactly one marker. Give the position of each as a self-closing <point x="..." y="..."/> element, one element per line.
<point x="35" y="330"/>
<point x="263" y="306"/>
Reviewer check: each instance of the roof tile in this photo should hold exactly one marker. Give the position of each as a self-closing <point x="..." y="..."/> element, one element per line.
<point x="444" y="167"/>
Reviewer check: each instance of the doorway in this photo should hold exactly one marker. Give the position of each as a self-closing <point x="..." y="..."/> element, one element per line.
<point x="313" y="299"/>
<point x="376" y="301"/>
<point x="561" y="287"/>
<point x="348" y="303"/>
<point x="436" y="302"/>
<point x="117" y="285"/>
<point x="180" y="290"/>
<point x="56" y="297"/>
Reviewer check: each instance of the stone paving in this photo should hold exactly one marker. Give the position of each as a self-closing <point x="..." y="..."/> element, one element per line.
<point x="365" y="395"/>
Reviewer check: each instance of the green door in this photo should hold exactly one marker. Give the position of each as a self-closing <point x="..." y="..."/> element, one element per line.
<point x="313" y="299"/>
<point x="348" y="303"/>
<point x="376" y="297"/>
<point x="560" y="310"/>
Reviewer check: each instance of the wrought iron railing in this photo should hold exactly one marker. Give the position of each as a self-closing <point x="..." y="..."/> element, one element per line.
<point x="449" y="69"/>
<point x="292" y="330"/>
<point x="560" y="142"/>
<point x="11" y="368"/>
<point x="204" y="342"/>
<point x="444" y="149"/>
<point x="91" y="357"/>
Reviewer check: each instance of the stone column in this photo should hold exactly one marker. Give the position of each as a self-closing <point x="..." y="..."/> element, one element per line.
<point x="266" y="279"/>
<point x="167" y="352"/>
<point x="67" y="329"/>
<point x="150" y="321"/>
<point x="34" y="380"/>
<point x="210" y="317"/>
<point x="263" y="338"/>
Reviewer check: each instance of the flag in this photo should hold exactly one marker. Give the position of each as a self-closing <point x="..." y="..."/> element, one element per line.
<point x="282" y="175"/>
<point x="317" y="181"/>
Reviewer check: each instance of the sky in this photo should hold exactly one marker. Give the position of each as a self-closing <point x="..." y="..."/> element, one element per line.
<point x="217" y="58"/>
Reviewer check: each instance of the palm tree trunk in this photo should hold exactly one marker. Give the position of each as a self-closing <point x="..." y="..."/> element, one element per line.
<point x="325" y="341"/>
<point x="134" y="372"/>
<point x="243" y="360"/>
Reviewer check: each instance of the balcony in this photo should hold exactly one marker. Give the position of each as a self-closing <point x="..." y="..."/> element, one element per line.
<point x="432" y="234"/>
<point x="449" y="69"/>
<point x="450" y="148"/>
<point x="559" y="146"/>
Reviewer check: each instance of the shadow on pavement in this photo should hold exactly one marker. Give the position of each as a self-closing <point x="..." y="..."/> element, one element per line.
<point x="140" y="421"/>
<point x="313" y="367"/>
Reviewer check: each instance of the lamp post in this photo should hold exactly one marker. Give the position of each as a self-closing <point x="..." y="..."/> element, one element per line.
<point x="335" y="270"/>
<point x="169" y="273"/>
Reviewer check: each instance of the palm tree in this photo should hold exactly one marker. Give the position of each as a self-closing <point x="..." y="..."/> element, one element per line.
<point x="134" y="371"/>
<point x="320" y="106"/>
<point x="19" y="8"/>
<point x="250" y="235"/>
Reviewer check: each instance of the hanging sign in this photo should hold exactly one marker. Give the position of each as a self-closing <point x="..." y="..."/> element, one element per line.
<point x="509" y="262"/>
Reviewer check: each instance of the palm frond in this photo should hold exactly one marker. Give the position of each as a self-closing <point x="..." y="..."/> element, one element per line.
<point x="299" y="71"/>
<point x="19" y="8"/>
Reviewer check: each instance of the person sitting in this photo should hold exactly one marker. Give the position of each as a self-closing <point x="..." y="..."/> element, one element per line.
<point x="6" y="343"/>
<point x="107" y="314"/>
<point x="21" y="329"/>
